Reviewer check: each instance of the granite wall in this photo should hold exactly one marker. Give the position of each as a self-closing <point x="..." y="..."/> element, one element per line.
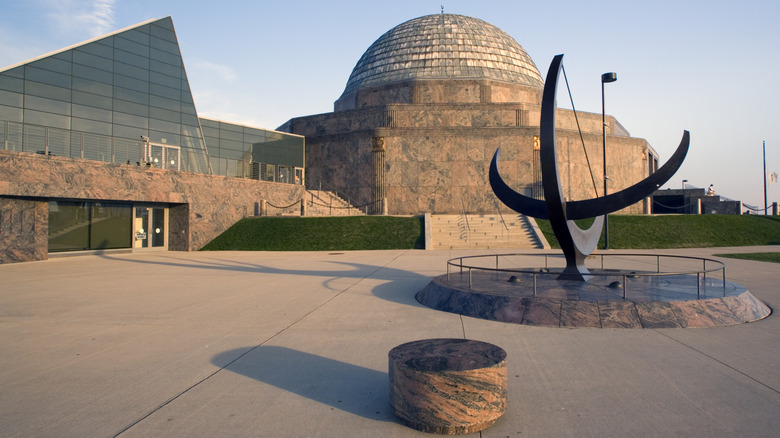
<point x="438" y="140"/>
<point x="24" y="229"/>
<point x="201" y="206"/>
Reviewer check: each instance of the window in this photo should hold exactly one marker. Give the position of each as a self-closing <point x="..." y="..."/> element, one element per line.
<point x="78" y="226"/>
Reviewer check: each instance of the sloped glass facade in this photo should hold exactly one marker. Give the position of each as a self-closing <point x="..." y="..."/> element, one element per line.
<point x="125" y="98"/>
<point x="105" y="100"/>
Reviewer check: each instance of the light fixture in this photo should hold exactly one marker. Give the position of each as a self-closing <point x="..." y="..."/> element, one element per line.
<point x="605" y="78"/>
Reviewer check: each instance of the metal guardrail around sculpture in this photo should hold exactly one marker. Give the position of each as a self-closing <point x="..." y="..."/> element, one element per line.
<point x="624" y="275"/>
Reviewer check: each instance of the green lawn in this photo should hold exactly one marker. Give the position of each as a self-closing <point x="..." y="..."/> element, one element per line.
<point x="683" y="231"/>
<point x="321" y="234"/>
<point x="773" y="257"/>
<point x="392" y="232"/>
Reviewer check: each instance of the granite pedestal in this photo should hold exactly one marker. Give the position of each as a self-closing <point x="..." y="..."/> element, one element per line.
<point x="448" y="386"/>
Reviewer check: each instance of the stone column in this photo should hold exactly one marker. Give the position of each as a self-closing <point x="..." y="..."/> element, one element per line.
<point x="378" y="159"/>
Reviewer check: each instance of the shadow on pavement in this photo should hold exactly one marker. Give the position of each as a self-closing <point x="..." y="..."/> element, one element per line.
<point x="358" y="271"/>
<point x="340" y="385"/>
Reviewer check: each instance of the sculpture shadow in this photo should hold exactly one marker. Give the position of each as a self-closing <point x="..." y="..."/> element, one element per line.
<point x="340" y="385"/>
<point x="391" y="290"/>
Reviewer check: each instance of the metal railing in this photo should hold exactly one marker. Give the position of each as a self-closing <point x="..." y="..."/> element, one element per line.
<point x="701" y="274"/>
<point x="43" y="140"/>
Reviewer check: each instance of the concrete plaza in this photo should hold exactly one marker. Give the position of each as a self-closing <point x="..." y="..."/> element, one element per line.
<point x="239" y="344"/>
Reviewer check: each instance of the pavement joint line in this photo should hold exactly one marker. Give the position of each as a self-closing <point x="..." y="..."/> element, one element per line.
<point x="222" y="368"/>
<point x="718" y="361"/>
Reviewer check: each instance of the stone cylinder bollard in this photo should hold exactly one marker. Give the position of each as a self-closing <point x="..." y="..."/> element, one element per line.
<point x="448" y="386"/>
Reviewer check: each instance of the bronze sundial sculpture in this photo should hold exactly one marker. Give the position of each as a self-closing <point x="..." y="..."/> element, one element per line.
<point x="575" y="242"/>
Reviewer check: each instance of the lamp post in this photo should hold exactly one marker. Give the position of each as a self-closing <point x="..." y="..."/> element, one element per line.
<point x="683" y="185"/>
<point x="605" y="78"/>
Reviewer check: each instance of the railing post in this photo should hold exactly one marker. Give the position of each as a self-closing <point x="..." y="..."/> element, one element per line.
<point x="698" y="285"/>
<point x="625" y="286"/>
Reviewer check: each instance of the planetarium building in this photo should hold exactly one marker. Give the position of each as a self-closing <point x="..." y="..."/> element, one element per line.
<point x="101" y="146"/>
<point x="425" y="109"/>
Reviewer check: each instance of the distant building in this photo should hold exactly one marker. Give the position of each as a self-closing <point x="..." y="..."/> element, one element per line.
<point x="426" y="107"/>
<point x="692" y="200"/>
<point x="101" y="148"/>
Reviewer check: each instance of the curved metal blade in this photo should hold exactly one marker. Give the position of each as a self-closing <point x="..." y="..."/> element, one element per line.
<point x="637" y="192"/>
<point x="517" y="202"/>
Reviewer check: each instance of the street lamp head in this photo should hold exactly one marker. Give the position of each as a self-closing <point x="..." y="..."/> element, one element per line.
<point x="608" y="77"/>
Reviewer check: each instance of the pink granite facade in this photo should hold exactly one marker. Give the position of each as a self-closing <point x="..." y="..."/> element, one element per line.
<point x="200" y="206"/>
<point x="437" y="138"/>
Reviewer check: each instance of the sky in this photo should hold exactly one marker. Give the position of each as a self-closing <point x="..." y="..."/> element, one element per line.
<point x="710" y="67"/>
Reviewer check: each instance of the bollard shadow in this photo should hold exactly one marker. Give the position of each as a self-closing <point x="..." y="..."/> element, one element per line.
<point x="340" y="385"/>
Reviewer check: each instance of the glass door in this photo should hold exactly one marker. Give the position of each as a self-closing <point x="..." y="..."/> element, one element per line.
<point x="163" y="156"/>
<point x="150" y="227"/>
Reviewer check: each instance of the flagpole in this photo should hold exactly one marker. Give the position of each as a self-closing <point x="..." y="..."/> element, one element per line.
<point x="765" y="205"/>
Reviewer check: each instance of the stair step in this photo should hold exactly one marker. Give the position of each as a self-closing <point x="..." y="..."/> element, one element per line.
<point x="481" y="231"/>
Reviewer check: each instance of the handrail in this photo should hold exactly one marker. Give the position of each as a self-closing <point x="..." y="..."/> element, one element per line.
<point x="457" y="262"/>
<point x="463" y="212"/>
<point x="501" y="216"/>
<point x="343" y="196"/>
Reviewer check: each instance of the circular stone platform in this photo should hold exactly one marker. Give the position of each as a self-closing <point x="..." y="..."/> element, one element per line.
<point x="650" y="302"/>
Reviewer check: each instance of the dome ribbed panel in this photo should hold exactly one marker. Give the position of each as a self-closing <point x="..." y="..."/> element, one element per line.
<point x="444" y="46"/>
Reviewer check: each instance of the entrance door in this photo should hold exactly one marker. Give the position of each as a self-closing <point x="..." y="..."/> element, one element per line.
<point x="150" y="227"/>
<point x="163" y="156"/>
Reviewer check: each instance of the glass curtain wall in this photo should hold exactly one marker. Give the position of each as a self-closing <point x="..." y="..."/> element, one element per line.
<point x="81" y="101"/>
<point x="243" y="151"/>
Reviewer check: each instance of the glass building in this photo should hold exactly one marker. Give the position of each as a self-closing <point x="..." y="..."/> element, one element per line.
<point x="125" y="98"/>
<point x="247" y="152"/>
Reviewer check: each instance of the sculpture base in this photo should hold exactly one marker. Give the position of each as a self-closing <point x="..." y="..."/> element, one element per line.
<point x="658" y="302"/>
<point x="448" y="386"/>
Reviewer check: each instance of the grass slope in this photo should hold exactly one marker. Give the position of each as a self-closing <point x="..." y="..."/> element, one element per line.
<point x="683" y="231"/>
<point x="773" y="257"/>
<point x="389" y="232"/>
<point x="321" y="234"/>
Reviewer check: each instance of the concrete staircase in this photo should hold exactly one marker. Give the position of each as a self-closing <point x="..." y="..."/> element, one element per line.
<point x="485" y="231"/>
<point x="324" y="203"/>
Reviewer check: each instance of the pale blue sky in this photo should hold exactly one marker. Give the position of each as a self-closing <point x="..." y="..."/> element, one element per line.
<point x="707" y="66"/>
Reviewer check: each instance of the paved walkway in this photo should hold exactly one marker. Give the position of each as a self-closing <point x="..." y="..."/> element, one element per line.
<point x="295" y="345"/>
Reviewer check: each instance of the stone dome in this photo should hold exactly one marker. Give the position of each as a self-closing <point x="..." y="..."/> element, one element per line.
<point x="444" y="46"/>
